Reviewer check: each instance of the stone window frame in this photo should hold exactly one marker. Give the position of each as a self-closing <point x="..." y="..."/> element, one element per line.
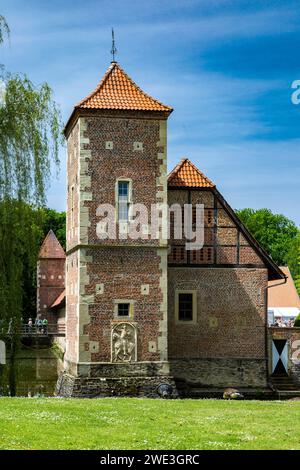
<point x="129" y="181"/>
<point x="194" y="313"/>
<point x="131" y="308"/>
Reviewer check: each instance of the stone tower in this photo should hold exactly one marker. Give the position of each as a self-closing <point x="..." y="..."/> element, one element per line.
<point x="116" y="287"/>
<point x="50" y="276"/>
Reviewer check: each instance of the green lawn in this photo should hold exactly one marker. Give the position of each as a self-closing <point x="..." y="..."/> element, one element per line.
<point x="132" y="423"/>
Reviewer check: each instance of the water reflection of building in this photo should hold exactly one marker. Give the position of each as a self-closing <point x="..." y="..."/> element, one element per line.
<point x="37" y="371"/>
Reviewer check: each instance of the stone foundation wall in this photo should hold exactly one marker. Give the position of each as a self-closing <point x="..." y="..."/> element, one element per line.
<point x="65" y="385"/>
<point x="69" y="386"/>
<point x="132" y="369"/>
<point x="100" y="380"/>
<point x="142" y="379"/>
<point x="295" y="372"/>
<point x="220" y="372"/>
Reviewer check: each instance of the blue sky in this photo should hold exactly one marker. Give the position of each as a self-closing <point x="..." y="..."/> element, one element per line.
<point x="225" y="66"/>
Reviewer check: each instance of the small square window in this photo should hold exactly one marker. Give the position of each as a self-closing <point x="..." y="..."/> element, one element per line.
<point x="123" y="310"/>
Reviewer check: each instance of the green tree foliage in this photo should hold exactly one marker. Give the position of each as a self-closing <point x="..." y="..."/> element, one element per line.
<point x="297" y="321"/>
<point x="277" y="234"/>
<point x="51" y="219"/>
<point x="293" y="260"/>
<point x="30" y="135"/>
<point x="29" y="139"/>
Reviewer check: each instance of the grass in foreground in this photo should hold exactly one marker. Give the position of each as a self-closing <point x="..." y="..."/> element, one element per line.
<point x="132" y="423"/>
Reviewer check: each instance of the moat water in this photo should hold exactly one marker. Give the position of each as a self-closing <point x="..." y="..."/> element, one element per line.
<point x="36" y="373"/>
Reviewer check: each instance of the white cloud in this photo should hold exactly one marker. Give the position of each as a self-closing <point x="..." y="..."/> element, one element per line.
<point x="66" y="26"/>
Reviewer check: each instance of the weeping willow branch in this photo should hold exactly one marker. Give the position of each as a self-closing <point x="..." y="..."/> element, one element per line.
<point x="4" y="29"/>
<point x="30" y="137"/>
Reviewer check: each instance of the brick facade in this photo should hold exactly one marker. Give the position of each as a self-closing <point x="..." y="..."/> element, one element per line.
<point x="226" y="344"/>
<point x="123" y="272"/>
<point x="230" y="313"/>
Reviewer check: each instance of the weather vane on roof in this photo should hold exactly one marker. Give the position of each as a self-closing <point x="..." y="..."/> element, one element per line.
<point x="113" y="46"/>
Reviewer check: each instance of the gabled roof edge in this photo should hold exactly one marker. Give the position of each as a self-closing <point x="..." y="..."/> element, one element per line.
<point x="272" y="266"/>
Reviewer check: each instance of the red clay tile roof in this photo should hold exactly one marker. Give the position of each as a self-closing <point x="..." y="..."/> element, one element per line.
<point x="51" y="248"/>
<point x="187" y="175"/>
<point x="284" y="295"/>
<point x="60" y="300"/>
<point x="117" y="91"/>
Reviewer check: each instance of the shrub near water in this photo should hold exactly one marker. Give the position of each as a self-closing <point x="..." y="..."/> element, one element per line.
<point x="297" y="321"/>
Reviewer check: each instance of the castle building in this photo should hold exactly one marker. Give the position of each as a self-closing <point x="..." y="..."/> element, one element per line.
<point x="144" y="311"/>
<point x="50" y="277"/>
